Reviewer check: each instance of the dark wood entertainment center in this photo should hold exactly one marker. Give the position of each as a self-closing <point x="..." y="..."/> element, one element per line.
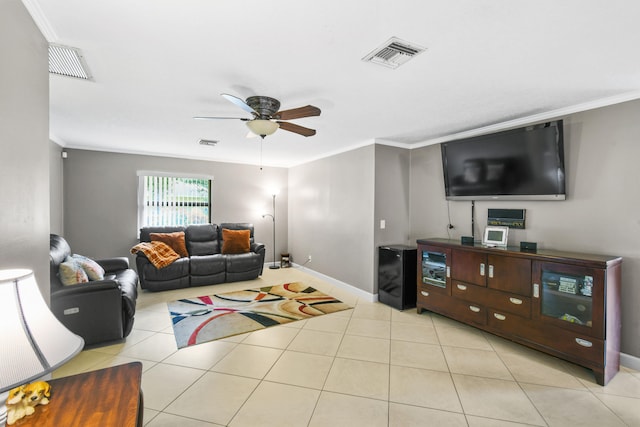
<point x="563" y="303"/>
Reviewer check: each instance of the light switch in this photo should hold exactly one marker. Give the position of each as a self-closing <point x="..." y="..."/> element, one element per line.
<point x="383" y="224"/>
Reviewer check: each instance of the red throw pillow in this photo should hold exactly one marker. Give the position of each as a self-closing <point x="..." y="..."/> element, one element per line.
<point x="236" y="241"/>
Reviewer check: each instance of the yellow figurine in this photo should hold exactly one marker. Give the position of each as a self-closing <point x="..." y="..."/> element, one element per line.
<point x="16" y="405"/>
<point x="23" y="399"/>
<point x="37" y="393"/>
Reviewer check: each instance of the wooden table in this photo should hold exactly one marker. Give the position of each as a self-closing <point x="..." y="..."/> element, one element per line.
<point x="110" y="397"/>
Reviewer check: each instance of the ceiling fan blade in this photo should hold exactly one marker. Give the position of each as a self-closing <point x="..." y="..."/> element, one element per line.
<point x="291" y="127"/>
<point x="297" y="113"/>
<point x="239" y="102"/>
<point x="221" y="118"/>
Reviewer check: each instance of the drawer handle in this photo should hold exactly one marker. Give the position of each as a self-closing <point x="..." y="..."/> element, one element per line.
<point x="462" y="287"/>
<point x="474" y="308"/>
<point x="584" y="343"/>
<point x="515" y="301"/>
<point x="499" y="316"/>
<point x="424" y="293"/>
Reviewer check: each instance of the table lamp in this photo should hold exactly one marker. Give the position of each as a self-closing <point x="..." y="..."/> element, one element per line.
<point x="34" y="342"/>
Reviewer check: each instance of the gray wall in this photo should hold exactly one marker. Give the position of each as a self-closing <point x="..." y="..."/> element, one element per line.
<point x="56" y="189"/>
<point x="100" y="198"/>
<point x="428" y="211"/>
<point x="392" y="201"/>
<point x="331" y="209"/>
<point x="601" y="213"/>
<point x="24" y="138"/>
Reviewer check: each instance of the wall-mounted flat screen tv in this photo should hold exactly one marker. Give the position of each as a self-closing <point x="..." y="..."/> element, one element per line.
<point x="520" y="164"/>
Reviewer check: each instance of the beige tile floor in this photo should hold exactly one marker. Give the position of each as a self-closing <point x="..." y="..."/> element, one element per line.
<point x="369" y="366"/>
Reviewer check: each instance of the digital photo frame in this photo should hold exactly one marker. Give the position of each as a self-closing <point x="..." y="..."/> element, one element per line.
<point x="495" y="236"/>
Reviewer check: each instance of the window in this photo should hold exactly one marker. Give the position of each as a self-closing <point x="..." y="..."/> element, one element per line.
<point x="173" y="201"/>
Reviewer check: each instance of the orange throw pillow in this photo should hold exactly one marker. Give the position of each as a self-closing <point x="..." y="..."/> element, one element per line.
<point x="174" y="240"/>
<point x="236" y="241"/>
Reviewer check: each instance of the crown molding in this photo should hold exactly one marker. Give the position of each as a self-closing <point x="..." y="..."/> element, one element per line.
<point x="33" y="7"/>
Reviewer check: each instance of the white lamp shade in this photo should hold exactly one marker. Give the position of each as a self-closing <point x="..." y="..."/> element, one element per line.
<point x="34" y="341"/>
<point x="262" y="127"/>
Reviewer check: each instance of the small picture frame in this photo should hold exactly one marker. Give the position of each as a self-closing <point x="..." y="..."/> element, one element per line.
<point x="495" y="236"/>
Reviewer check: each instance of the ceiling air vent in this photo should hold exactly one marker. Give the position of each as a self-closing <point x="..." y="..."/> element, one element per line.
<point x="393" y="53"/>
<point x="67" y="61"/>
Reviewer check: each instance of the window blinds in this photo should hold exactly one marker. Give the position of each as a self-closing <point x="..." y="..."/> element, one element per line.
<point x="175" y="201"/>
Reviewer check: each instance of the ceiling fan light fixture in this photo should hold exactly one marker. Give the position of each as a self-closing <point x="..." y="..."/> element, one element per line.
<point x="262" y="127"/>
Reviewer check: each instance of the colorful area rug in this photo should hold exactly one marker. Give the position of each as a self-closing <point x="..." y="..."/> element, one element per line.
<point x="202" y="319"/>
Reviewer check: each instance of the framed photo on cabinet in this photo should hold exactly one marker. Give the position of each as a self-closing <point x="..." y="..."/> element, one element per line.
<point x="495" y="236"/>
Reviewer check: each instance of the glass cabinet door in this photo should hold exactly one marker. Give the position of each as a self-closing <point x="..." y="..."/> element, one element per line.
<point x="567" y="295"/>
<point x="434" y="270"/>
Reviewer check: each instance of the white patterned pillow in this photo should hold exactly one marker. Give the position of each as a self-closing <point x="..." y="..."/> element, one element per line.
<point x="71" y="272"/>
<point x="92" y="268"/>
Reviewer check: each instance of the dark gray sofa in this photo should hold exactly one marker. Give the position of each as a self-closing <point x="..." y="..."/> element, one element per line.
<point x="205" y="265"/>
<point x="99" y="311"/>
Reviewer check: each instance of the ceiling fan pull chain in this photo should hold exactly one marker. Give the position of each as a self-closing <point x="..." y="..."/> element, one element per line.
<point x="261" y="141"/>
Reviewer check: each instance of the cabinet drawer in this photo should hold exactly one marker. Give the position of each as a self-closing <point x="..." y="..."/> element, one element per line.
<point x="433" y="301"/>
<point x="470" y="312"/>
<point x="511" y="303"/>
<point x="578" y="346"/>
<point x="464" y="311"/>
<point x="510" y="323"/>
<point x="468" y="292"/>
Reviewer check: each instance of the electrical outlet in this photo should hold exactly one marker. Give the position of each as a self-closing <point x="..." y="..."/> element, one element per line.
<point x="308" y="258"/>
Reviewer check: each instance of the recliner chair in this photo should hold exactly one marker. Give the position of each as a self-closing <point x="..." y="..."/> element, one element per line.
<point x="99" y="311"/>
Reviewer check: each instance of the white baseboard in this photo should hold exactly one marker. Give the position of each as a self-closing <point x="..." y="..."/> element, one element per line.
<point x="629" y="361"/>
<point x="347" y="287"/>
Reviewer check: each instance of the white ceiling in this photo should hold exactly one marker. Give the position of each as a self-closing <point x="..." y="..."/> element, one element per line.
<point x="158" y="63"/>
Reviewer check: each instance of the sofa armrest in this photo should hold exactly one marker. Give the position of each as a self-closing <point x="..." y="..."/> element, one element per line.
<point x="114" y="264"/>
<point x="257" y="247"/>
<point x="92" y="310"/>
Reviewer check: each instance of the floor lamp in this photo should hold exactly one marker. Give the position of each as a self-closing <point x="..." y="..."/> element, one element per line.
<point x="274" y="266"/>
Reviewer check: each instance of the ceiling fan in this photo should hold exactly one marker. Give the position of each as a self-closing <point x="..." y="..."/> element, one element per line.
<point x="266" y="115"/>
